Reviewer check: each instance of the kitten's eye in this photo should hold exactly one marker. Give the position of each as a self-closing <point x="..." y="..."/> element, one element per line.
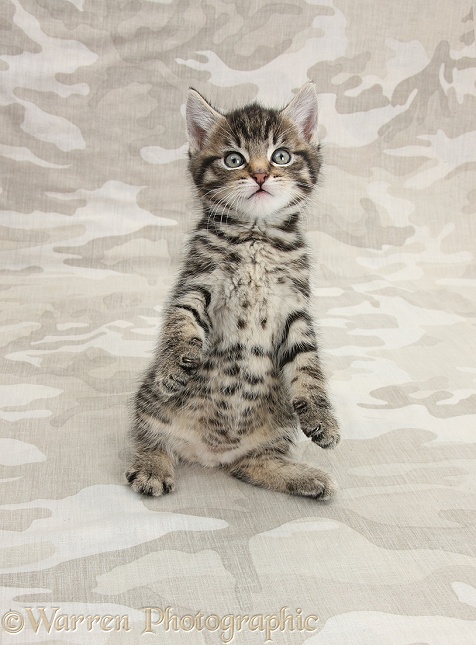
<point x="281" y="157"/>
<point x="234" y="160"/>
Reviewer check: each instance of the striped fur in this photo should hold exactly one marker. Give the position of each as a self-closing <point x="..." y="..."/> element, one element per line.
<point x="237" y="370"/>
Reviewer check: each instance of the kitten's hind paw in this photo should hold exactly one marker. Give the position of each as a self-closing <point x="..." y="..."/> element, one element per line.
<point x="150" y="477"/>
<point x="318" y="485"/>
<point x="286" y="476"/>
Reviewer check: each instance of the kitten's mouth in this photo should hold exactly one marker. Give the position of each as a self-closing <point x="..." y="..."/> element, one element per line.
<point x="261" y="191"/>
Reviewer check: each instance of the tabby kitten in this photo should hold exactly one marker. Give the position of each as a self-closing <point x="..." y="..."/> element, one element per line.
<point x="237" y="369"/>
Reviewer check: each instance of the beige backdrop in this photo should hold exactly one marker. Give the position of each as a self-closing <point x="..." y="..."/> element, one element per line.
<point x="95" y="203"/>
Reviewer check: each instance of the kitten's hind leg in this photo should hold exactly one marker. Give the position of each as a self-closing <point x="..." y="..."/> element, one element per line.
<point x="152" y="473"/>
<point x="284" y="475"/>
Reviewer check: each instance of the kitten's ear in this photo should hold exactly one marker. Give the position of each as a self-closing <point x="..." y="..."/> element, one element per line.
<point x="303" y="111"/>
<point x="201" y="117"/>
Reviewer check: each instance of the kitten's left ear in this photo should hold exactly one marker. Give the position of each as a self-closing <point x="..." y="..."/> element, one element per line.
<point x="201" y="118"/>
<point x="303" y="111"/>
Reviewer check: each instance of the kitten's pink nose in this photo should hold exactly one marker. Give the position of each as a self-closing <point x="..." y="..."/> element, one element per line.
<point x="260" y="177"/>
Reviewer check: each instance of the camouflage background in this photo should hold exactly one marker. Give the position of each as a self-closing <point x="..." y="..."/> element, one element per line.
<point x="95" y="204"/>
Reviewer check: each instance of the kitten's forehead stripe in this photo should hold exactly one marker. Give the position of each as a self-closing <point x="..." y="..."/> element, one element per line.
<point x="253" y="122"/>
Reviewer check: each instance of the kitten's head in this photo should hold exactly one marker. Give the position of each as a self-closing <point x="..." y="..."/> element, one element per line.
<point x="255" y="162"/>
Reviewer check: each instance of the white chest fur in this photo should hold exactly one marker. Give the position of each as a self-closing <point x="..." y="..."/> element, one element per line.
<point x="251" y="302"/>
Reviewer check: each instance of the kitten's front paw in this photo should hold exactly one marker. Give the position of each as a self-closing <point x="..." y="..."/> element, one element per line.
<point x="176" y="373"/>
<point x="326" y="434"/>
<point x="317" y="421"/>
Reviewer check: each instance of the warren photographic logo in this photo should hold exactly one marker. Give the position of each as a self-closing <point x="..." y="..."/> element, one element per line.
<point x="156" y="621"/>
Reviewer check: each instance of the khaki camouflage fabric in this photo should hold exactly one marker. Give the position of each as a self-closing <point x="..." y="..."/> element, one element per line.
<point x="95" y="205"/>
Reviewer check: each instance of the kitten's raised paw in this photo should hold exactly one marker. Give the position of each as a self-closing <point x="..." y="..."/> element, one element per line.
<point x="191" y="356"/>
<point x="148" y="481"/>
<point x="317" y="421"/>
<point x="173" y="377"/>
<point x="324" y="434"/>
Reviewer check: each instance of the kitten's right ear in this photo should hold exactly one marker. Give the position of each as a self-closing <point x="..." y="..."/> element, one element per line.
<point x="201" y="118"/>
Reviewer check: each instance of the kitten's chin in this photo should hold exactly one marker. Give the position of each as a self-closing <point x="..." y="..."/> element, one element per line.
<point x="259" y="206"/>
<point x="262" y="204"/>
